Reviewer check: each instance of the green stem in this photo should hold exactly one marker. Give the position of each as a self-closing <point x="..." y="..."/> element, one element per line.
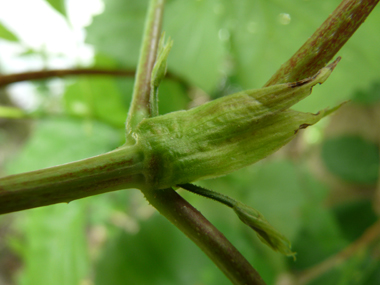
<point x="205" y="235"/>
<point x="140" y="108"/>
<point x="228" y="201"/>
<point x="118" y="169"/>
<point x="167" y="201"/>
<point x="326" y="41"/>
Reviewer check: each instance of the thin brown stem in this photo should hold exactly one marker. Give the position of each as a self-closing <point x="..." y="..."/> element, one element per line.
<point x="326" y="41"/>
<point x="6" y="79"/>
<point x="44" y="74"/>
<point x="205" y="235"/>
<point x="369" y="236"/>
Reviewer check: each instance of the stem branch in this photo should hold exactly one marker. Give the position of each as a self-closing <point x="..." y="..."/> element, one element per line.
<point x="205" y="235"/>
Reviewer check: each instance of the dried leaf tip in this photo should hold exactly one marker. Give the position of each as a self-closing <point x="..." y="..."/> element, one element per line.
<point x="334" y="63"/>
<point x="319" y="77"/>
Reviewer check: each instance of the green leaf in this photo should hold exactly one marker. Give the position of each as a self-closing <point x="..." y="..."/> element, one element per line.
<point x="374" y="278"/>
<point x="352" y="158"/>
<point x="54" y="248"/>
<point x="157" y="254"/>
<point x="172" y="97"/>
<point x="264" y="34"/>
<point x="368" y="96"/>
<point x="58" y="5"/>
<point x="354" y="218"/>
<point x="7" y="35"/>
<point x="98" y="98"/>
<point x="104" y="98"/>
<point x="126" y="21"/>
<point x="57" y="141"/>
<point x="197" y="53"/>
<point x="318" y="238"/>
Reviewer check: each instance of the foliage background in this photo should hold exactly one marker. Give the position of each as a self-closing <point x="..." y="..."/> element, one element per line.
<point x="321" y="190"/>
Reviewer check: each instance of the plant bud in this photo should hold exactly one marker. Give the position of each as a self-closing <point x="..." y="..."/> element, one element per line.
<point x="158" y="73"/>
<point x="265" y="231"/>
<point x="159" y="69"/>
<point x="224" y="135"/>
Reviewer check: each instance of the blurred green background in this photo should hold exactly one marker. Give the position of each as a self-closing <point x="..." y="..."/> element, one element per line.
<point x="321" y="190"/>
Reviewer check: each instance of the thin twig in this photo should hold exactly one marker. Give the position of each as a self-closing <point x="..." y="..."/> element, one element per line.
<point x="44" y="74"/>
<point x="326" y="41"/>
<point x="369" y="236"/>
<point x="6" y="79"/>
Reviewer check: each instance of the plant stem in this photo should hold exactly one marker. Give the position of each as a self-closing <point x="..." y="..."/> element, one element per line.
<point x="139" y="108"/>
<point x="326" y="41"/>
<point x="118" y="169"/>
<point x="229" y="202"/>
<point x="43" y="74"/>
<point x="6" y="79"/>
<point x="205" y="235"/>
